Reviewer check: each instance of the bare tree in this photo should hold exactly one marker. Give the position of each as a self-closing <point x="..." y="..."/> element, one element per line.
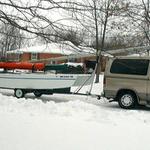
<point x="32" y="17"/>
<point x="139" y="14"/>
<point x="94" y="15"/>
<point x="11" y="38"/>
<point x="35" y="17"/>
<point x="72" y="35"/>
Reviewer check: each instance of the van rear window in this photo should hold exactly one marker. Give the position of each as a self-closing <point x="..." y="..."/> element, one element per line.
<point x="130" y="66"/>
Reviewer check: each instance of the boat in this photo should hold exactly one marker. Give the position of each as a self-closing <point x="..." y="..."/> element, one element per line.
<point x="38" y="82"/>
<point x="35" y="80"/>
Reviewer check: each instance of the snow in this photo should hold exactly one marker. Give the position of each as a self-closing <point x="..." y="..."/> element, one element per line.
<point x="64" y="48"/>
<point x="74" y="64"/>
<point x="70" y="122"/>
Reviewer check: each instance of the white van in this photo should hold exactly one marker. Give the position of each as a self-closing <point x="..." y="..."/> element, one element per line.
<point x="127" y="81"/>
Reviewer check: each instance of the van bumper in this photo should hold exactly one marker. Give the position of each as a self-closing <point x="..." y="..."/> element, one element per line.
<point x="109" y="94"/>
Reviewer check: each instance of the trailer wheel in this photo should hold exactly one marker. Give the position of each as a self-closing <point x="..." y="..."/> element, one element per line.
<point x="37" y="93"/>
<point x="19" y="93"/>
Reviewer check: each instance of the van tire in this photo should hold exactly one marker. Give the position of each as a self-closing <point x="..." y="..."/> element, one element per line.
<point x="127" y="99"/>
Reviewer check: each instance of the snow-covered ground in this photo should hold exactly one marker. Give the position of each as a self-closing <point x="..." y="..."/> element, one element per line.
<point x="70" y="122"/>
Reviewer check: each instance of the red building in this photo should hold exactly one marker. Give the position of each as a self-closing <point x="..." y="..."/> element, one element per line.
<point x="55" y="53"/>
<point x="46" y="53"/>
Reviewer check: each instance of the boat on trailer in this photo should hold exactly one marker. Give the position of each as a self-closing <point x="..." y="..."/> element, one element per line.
<point x="38" y="82"/>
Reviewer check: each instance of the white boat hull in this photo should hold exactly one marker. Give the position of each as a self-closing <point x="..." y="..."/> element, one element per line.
<point x="35" y="81"/>
<point x="42" y="81"/>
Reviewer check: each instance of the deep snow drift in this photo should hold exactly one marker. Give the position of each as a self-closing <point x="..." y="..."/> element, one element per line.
<point x="70" y="122"/>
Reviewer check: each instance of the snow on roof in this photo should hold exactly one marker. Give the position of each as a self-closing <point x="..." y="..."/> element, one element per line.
<point x="64" y="48"/>
<point x="88" y="49"/>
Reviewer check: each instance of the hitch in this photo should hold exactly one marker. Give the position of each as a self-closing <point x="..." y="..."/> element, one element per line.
<point x="98" y="97"/>
<point x="112" y="100"/>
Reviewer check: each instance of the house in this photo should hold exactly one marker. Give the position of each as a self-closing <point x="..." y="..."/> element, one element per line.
<point x="56" y="53"/>
<point x="53" y="53"/>
<point x="63" y="52"/>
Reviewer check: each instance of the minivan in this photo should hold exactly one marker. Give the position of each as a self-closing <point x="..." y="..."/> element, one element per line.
<point x="127" y="81"/>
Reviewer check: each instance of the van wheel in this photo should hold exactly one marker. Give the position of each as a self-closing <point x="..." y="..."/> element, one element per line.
<point x="37" y="93"/>
<point x="127" y="100"/>
<point x="19" y="93"/>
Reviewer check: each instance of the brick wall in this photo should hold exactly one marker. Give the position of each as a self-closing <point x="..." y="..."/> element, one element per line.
<point x="47" y="55"/>
<point x="25" y="57"/>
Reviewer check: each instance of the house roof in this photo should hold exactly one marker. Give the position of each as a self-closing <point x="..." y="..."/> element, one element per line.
<point x="64" y="48"/>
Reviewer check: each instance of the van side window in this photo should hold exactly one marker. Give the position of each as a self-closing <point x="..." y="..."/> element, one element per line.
<point x="130" y="66"/>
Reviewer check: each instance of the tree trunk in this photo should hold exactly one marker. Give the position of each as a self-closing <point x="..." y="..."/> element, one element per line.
<point x="97" y="45"/>
<point x="98" y="69"/>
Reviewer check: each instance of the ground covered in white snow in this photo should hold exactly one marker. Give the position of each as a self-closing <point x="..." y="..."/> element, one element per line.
<point x="68" y="122"/>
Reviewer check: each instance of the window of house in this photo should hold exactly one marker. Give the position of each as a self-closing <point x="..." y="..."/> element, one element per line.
<point x="34" y="56"/>
<point x="72" y="60"/>
<point x="130" y="66"/>
<point x="53" y="62"/>
<point x="18" y="57"/>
